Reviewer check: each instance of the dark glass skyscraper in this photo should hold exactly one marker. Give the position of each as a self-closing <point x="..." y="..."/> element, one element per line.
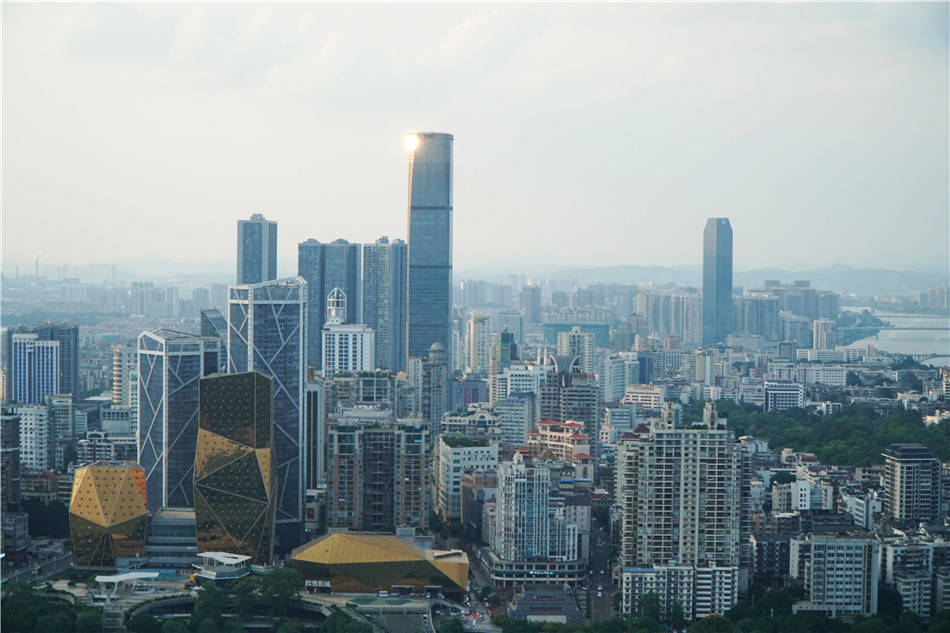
<point x="717" y="281"/>
<point x="170" y="366"/>
<point x="256" y="250"/>
<point x="325" y="267"/>
<point x="384" y="300"/>
<point x="430" y="242"/>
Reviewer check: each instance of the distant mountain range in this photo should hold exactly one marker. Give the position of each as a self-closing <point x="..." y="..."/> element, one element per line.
<point x="844" y="279"/>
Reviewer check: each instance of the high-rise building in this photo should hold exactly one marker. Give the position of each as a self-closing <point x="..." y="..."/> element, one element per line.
<point x="717" y="281"/>
<point x="35" y="368"/>
<point x="839" y="572"/>
<point x="235" y="479"/>
<point x="912" y="483"/>
<point x="385" y="271"/>
<point x="214" y="324"/>
<point x="10" y="448"/>
<point x="325" y="267"/>
<point x="503" y="351"/>
<point x="36" y="436"/>
<point x="517" y="414"/>
<point x="108" y="517"/>
<point x="823" y="334"/>
<point x="267" y="333"/>
<point x="125" y="363"/>
<point x="531" y="304"/>
<point x="580" y="344"/>
<point x="376" y="470"/>
<point x="477" y="344"/>
<point x="316" y="432"/>
<point x="346" y="347"/>
<point x="429" y="385"/>
<point x="256" y="250"/>
<point x="170" y="365"/>
<point x="535" y="536"/>
<point x="430" y="242"/>
<point x="457" y="455"/>
<point x="681" y="493"/>
<point x="569" y="394"/>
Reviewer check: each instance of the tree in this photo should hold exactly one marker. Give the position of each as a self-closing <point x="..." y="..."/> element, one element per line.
<point x="852" y="379"/>
<point x="650" y="606"/>
<point x="234" y="625"/>
<point x="208" y="625"/>
<point x="712" y="624"/>
<point x="210" y="604"/>
<point x="889" y="602"/>
<point x="677" y="617"/>
<point x="173" y="626"/>
<point x="870" y="625"/>
<point x="89" y="621"/>
<point x="280" y="587"/>
<point x="288" y="626"/>
<point x="55" y="622"/>
<point x="245" y="594"/>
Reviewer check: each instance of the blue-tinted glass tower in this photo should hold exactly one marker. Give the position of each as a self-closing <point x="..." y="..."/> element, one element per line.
<point x="267" y="333"/>
<point x="325" y="267"/>
<point x="384" y="300"/>
<point x="717" y="281"/>
<point x="430" y="242"/>
<point x="34" y="367"/>
<point x="256" y="250"/>
<point x="170" y="366"/>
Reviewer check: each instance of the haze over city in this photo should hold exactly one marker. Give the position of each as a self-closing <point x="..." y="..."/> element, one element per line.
<point x="584" y="135"/>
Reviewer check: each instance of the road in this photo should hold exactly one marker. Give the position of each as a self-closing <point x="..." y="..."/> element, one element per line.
<point x="600" y="574"/>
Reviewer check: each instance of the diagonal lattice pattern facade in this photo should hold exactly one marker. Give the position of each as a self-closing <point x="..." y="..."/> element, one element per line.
<point x="235" y="479"/>
<point x="108" y="517"/>
<point x="267" y="333"/>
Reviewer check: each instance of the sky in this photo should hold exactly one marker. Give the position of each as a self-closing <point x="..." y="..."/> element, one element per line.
<point x="585" y="135"/>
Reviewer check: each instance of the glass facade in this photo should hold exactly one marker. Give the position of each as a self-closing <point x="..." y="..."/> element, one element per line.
<point x="34" y="368"/>
<point x="325" y="267"/>
<point x="717" y="281"/>
<point x="235" y="479"/>
<point x="170" y="366"/>
<point x="384" y="300"/>
<point x="430" y="243"/>
<point x="108" y="518"/>
<point x="267" y="333"/>
<point x="256" y="250"/>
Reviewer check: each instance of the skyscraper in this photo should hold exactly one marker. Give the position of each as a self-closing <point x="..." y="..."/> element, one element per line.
<point x="256" y="250"/>
<point x="477" y="344"/>
<point x="717" y="281"/>
<point x="235" y="480"/>
<point x="170" y="366"/>
<point x="34" y="368"/>
<point x="267" y="333"/>
<point x="430" y="242"/>
<point x="681" y="492"/>
<point x="384" y="300"/>
<point x="325" y="267"/>
<point x="912" y="482"/>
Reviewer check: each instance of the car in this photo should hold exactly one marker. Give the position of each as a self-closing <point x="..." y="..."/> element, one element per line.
<point x="600" y="594"/>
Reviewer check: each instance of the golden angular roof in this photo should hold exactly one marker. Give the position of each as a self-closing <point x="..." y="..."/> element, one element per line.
<point x="343" y="548"/>
<point x="109" y="493"/>
<point x="347" y="548"/>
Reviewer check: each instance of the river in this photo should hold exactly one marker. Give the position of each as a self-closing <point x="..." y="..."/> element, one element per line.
<point x="933" y="340"/>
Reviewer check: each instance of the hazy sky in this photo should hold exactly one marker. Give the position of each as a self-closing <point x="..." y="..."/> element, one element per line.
<point x="584" y="134"/>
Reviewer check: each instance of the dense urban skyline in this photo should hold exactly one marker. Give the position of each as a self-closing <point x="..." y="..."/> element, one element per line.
<point x="778" y="115"/>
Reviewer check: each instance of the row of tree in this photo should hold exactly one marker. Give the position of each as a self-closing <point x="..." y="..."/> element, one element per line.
<point x="854" y="437"/>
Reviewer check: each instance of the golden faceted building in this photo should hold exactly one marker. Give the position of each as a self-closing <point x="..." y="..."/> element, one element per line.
<point x="235" y="479"/>
<point x="108" y="516"/>
<point x="367" y="563"/>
